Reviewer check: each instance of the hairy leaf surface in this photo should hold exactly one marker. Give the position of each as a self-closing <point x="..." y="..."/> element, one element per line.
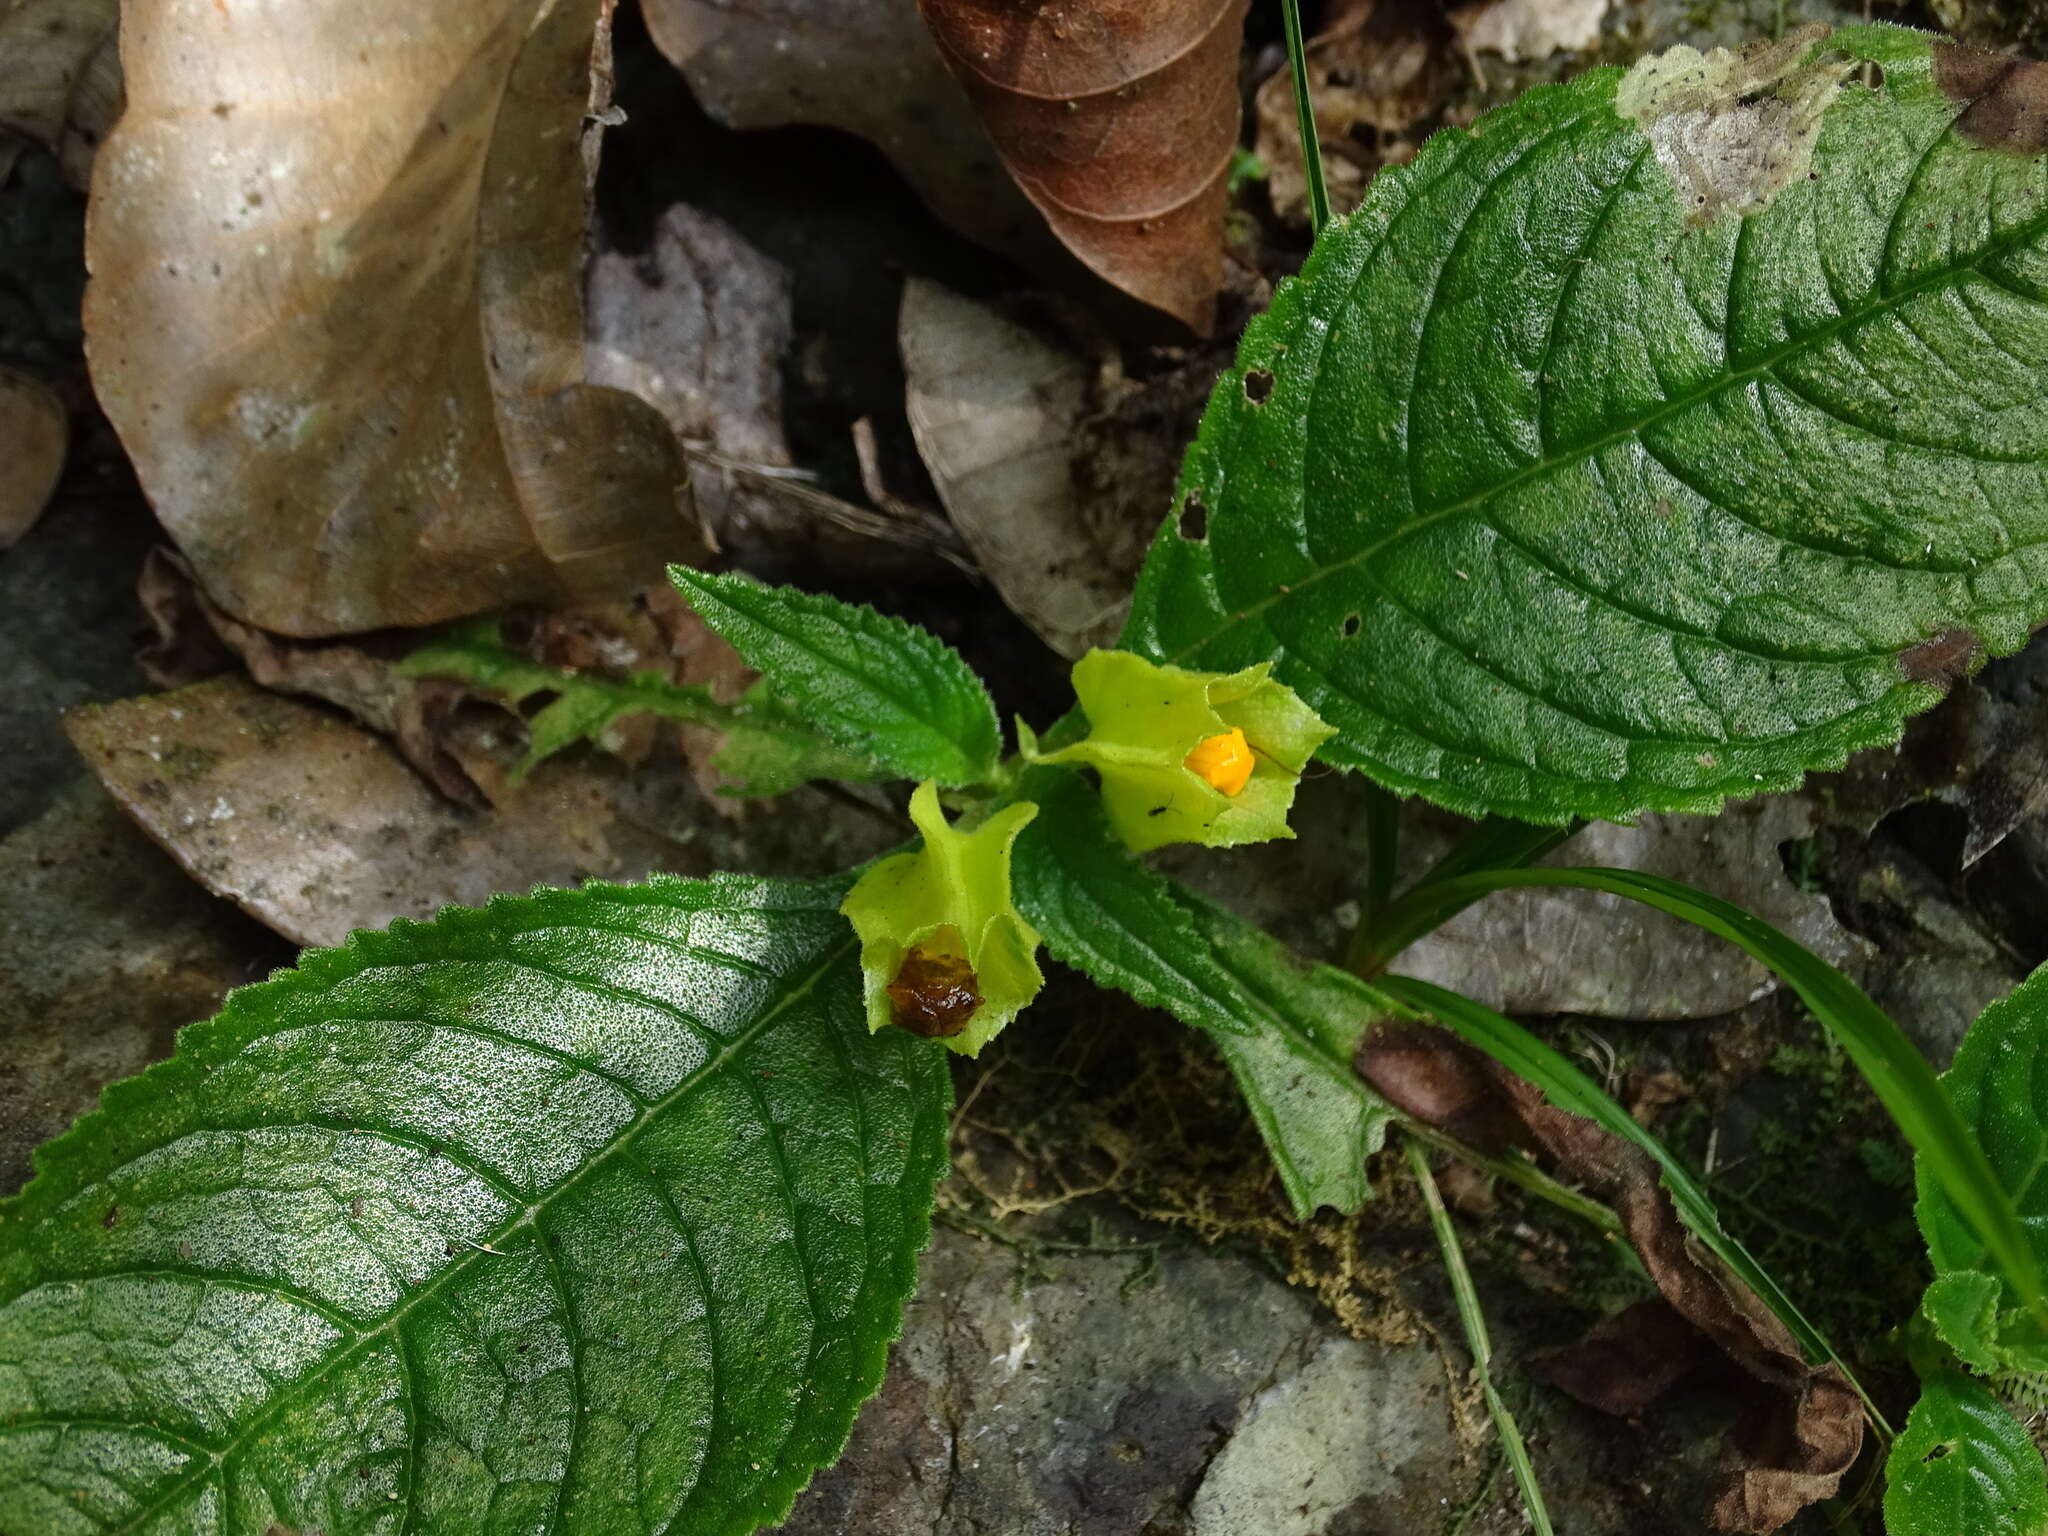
<point x="1564" y="486"/>
<point x="1999" y="1085"/>
<point x="888" y="690"/>
<point x="1964" y="1466"/>
<point x="1286" y="1030"/>
<point x="588" y="1211"/>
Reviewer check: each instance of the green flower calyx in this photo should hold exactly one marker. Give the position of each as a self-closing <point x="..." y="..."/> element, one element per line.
<point x="1190" y="757"/>
<point x="943" y="951"/>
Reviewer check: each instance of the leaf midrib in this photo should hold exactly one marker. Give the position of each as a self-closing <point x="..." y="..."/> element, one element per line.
<point x="1764" y="363"/>
<point x="435" y="1284"/>
<point x="940" y="730"/>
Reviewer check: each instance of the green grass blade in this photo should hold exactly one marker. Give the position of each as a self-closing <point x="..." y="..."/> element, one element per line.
<point x="1498" y="842"/>
<point x="1900" y="1076"/>
<point x="1476" y="1339"/>
<point x="1305" y="115"/>
<point x="1570" y="1089"/>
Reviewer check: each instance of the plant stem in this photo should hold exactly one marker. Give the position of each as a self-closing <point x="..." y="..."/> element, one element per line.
<point x="1474" y="1321"/>
<point x="1532" y="1180"/>
<point x="1305" y="115"/>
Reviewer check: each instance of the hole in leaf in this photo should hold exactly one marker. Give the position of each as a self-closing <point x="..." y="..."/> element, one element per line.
<point x="1258" y="385"/>
<point x="1194" y="518"/>
<point x="1349" y="628"/>
<point x="1947" y="1447"/>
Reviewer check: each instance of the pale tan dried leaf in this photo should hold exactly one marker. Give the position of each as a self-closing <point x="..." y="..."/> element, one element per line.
<point x="1529" y="29"/>
<point x="997" y="411"/>
<point x="34" y="435"/>
<point x="696" y="326"/>
<point x="867" y="67"/>
<point x="335" y="311"/>
<point x="1118" y="118"/>
<point x="60" y="77"/>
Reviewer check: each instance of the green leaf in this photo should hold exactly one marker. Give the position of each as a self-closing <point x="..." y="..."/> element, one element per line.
<point x="1558" y="503"/>
<point x="768" y="749"/>
<point x="587" y="1211"/>
<point x="886" y="689"/>
<point x="1964" y="1467"/>
<point x="2000" y="1090"/>
<point x="1287" y="1031"/>
<point x="1963" y="1307"/>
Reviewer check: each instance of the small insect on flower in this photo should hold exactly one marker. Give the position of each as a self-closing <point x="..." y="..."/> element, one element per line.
<point x="933" y="995"/>
<point x="1223" y="762"/>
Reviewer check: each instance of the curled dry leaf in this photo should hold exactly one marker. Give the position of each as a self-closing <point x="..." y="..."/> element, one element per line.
<point x="34" y="434"/>
<point x="1118" y="118"/>
<point x="1056" y="477"/>
<point x="1802" y="1425"/>
<point x="866" y="67"/>
<point x="335" y="313"/>
<point x="1376" y="70"/>
<point x="60" y="79"/>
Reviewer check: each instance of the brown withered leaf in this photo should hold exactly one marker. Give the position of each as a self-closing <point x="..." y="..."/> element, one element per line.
<point x="194" y="638"/>
<point x="1376" y="71"/>
<point x="1802" y="1426"/>
<point x="315" y="827"/>
<point x="34" y="436"/>
<point x="866" y="67"/>
<point x="60" y="79"/>
<point x="335" y="314"/>
<point x="1118" y="119"/>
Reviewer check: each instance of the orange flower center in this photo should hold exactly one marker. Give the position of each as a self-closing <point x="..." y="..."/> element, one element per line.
<point x="1223" y="762"/>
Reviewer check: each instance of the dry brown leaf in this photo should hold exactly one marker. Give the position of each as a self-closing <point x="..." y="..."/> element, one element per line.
<point x="1054" y="469"/>
<point x="1118" y="118"/>
<point x="60" y="79"/>
<point x="34" y="436"/>
<point x="316" y="827"/>
<point x="1375" y="72"/>
<point x="867" y="67"/>
<point x="335" y="312"/>
<point x="1802" y="1427"/>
